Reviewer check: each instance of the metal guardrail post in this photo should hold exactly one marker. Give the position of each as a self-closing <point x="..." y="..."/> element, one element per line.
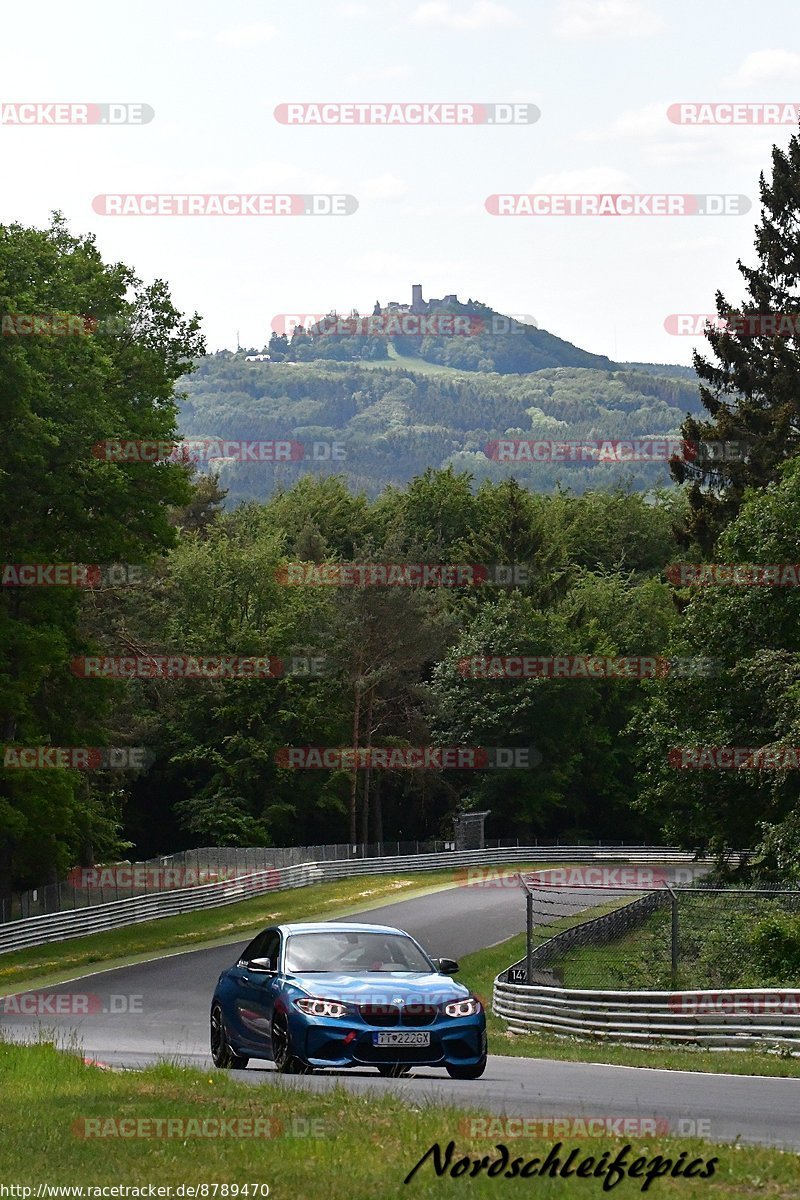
<point x="529" y="935"/>
<point x="674" y="931"/>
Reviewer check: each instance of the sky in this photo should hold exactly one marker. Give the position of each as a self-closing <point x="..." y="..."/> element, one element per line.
<point x="602" y="73"/>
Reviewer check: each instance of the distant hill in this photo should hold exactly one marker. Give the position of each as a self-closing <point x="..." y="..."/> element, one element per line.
<point x="429" y="384"/>
<point x="391" y="422"/>
<point x="467" y="336"/>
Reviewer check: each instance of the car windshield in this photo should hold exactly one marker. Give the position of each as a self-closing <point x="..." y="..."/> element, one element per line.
<point x="354" y="953"/>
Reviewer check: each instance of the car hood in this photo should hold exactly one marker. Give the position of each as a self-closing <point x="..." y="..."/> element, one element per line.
<point x="382" y="987"/>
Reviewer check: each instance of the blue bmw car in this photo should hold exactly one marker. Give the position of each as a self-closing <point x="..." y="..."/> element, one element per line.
<point x="345" y="995"/>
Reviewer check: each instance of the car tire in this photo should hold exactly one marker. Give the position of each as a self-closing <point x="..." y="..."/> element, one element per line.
<point x="473" y="1072"/>
<point x="283" y="1055"/>
<point x="222" y="1054"/>
<point x="393" y="1070"/>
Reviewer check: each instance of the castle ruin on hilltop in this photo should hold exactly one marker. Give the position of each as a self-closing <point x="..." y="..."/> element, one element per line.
<point x="417" y="305"/>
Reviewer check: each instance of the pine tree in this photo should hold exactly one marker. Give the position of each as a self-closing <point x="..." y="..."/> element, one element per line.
<point x="752" y="392"/>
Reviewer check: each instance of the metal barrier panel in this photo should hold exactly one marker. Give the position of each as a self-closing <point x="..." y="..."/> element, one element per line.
<point x="737" y="1018"/>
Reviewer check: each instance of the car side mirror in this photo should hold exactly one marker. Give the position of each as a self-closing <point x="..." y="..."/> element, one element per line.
<point x="447" y="966"/>
<point x="262" y="966"/>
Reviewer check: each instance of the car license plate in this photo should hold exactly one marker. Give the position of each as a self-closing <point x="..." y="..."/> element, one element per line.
<point x="401" y="1039"/>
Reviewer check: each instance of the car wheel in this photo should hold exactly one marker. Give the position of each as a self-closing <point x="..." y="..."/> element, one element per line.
<point x="393" y="1070"/>
<point x="283" y="1055"/>
<point x="475" y="1072"/>
<point x="222" y="1055"/>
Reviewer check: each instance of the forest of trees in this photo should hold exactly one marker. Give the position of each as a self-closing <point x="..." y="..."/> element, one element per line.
<point x="599" y="579"/>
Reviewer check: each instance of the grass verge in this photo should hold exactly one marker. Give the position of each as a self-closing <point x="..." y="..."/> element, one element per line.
<point x="361" y="1147"/>
<point x="479" y="971"/>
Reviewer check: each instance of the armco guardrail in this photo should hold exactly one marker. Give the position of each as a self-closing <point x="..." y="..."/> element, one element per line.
<point x="58" y="927"/>
<point x="54" y="927"/>
<point x="732" y="1019"/>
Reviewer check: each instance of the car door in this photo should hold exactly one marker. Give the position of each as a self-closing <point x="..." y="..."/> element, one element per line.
<point x="257" y="991"/>
<point x="236" y="989"/>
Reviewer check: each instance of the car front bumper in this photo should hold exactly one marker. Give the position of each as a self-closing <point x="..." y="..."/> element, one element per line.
<point x="332" y="1042"/>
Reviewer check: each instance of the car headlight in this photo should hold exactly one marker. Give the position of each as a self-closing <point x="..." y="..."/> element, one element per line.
<point x="321" y="1008"/>
<point x="463" y="1008"/>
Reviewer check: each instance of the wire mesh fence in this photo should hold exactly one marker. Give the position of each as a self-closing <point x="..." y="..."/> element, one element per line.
<point x="670" y="937"/>
<point x="717" y="938"/>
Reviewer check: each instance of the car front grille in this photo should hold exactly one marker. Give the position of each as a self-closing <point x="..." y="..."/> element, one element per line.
<point x="381" y="1015"/>
<point x="418" y="1014"/>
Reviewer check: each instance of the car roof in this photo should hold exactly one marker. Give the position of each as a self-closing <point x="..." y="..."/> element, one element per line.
<point x="337" y="927"/>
